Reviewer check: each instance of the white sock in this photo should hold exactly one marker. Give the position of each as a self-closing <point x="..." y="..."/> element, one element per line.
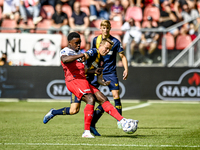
<point x="87" y="131"/>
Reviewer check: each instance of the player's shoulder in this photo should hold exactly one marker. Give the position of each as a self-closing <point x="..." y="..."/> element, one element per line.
<point x="115" y="40"/>
<point x="92" y="51"/>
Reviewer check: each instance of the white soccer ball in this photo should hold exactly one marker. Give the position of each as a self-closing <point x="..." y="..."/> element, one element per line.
<point x="130" y="126"/>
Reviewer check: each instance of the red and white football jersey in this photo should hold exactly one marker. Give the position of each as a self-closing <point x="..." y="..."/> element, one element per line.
<point x="75" y="69"/>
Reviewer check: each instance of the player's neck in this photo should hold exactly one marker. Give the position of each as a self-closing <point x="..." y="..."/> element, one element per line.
<point x="105" y="36"/>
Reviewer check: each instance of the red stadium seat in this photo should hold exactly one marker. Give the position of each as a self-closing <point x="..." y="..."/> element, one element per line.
<point x="85" y="3"/>
<point x="67" y="9"/>
<point x="64" y="41"/>
<point x="116" y="27"/>
<point x="135" y="13"/>
<point x="170" y="42"/>
<point x="146" y="23"/>
<point x="83" y="41"/>
<point x="96" y="24"/>
<point x="85" y="10"/>
<point x="43" y="26"/>
<point x="152" y="11"/>
<point x="47" y="11"/>
<point x="182" y="41"/>
<point x="10" y="25"/>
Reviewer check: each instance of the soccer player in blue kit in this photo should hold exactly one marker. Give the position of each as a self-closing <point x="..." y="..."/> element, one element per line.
<point x="109" y="71"/>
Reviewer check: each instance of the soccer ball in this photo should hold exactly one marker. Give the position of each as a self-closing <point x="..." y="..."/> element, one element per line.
<point x="130" y="126"/>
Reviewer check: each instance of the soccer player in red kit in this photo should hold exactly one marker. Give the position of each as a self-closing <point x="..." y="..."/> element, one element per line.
<point x="76" y="82"/>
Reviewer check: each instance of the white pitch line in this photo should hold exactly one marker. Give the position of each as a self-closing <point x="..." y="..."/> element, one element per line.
<point x="136" y="107"/>
<point x="86" y="144"/>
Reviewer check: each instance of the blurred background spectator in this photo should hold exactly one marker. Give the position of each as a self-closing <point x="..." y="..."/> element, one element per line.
<point x="30" y="8"/>
<point x="98" y="10"/>
<point x="149" y="42"/>
<point x="168" y="18"/>
<point x="117" y="11"/>
<point x="11" y="11"/>
<point x="132" y="33"/>
<point x="3" y="60"/>
<point x="68" y="2"/>
<point x="59" y="21"/>
<point x="79" y="21"/>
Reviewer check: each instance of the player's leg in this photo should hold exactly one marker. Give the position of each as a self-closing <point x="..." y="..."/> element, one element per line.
<point x="73" y="109"/>
<point x="81" y="89"/>
<point x="88" y="114"/>
<point x="98" y="112"/>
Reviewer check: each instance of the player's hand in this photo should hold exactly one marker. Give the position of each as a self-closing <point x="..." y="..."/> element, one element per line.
<point x="106" y="83"/>
<point x="98" y="70"/>
<point x="125" y="74"/>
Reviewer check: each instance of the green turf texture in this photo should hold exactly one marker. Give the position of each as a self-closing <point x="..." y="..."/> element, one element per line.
<point x="161" y="126"/>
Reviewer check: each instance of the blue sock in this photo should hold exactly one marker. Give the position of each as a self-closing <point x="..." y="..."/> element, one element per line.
<point x="118" y="105"/>
<point x="62" y="111"/>
<point x="98" y="112"/>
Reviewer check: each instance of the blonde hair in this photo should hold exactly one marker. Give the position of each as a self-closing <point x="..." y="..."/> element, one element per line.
<point x="107" y="40"/>
<point x="105" y="23"/>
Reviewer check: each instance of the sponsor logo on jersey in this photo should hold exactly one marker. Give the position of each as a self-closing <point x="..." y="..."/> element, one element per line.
<point x="187" y="87"/>
<point x="44" y="50"/>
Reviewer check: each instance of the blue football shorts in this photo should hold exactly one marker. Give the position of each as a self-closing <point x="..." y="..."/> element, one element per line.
<point x="114" y="84"/>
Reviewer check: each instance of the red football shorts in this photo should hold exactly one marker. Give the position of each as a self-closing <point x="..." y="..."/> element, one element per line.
<point x="79" y="87"/>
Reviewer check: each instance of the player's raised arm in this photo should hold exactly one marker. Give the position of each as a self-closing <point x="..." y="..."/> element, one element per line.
<point x="67" y="59"/>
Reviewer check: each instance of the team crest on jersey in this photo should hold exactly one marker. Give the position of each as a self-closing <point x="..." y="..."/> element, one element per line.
<point x="90" y="52"/>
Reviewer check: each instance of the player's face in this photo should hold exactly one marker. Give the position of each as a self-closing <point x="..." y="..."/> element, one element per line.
<point x="75" y="44"/>
<point x="105" y="30"/>
<point x="104" y="49"/>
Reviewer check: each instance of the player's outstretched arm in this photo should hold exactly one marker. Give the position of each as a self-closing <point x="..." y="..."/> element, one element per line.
<point x="67" y="59"/>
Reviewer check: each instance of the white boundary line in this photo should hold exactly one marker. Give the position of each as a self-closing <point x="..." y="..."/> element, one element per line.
<point x="136" y="107"/>
<point x="86" y="144"/>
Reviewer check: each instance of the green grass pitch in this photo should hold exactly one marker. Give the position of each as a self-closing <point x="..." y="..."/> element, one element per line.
<point x="161" y="126"/>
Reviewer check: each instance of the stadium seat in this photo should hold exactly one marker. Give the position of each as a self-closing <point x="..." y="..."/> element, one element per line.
<point x="85" y="10"/>
<point x="145" y="24"/>
<point x="96" y="24"/>
<point x="182" y="41"/>
<point x="85" y="3"/>
<point x="170" y="42"/>
<point x="10" y="25"/>
<point x="47" y="11"/>
<point x="67" y="9"/>
<point x="116" y="25"/>
<point x="83" y="41"/>
<point x="152" y="11"/>
<point x="64" y="41"/>
<point x="43" y="26"/>
<point x="134" y="12"/>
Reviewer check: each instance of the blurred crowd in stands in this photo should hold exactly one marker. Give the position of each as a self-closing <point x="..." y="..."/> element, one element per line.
<point x="127" y="17"/>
